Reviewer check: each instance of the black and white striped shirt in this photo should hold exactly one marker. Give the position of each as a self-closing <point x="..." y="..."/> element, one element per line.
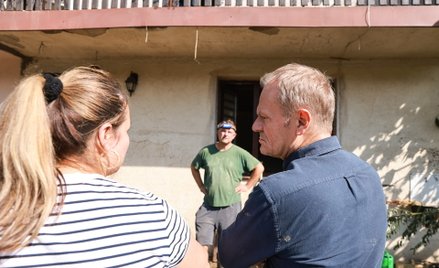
<point x="106" y="224"/>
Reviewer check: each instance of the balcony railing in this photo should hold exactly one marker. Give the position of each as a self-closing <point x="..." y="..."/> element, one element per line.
<point x="29" y="5"/>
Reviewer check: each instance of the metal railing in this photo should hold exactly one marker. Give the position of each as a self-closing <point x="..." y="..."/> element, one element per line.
<point x="29" y="5"/>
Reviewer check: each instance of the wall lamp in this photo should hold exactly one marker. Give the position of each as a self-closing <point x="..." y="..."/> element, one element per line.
<point x="131" y="82"/>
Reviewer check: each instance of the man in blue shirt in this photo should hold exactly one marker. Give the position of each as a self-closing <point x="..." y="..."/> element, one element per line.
<point x="327" y="208"/>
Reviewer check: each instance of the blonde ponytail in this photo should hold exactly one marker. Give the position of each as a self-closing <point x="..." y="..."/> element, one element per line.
<point x="28" y="179"/>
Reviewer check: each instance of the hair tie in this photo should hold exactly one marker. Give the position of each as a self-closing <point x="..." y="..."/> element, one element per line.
<point x="52" y="87"/>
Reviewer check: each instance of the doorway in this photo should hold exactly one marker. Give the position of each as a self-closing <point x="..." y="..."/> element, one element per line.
<point x="238" y="100"/>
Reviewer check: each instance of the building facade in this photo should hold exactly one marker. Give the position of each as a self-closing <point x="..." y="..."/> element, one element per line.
<point x="199" y="61"/>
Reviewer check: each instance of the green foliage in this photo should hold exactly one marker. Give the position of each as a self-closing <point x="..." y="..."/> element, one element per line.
<point x="413" y="218"/>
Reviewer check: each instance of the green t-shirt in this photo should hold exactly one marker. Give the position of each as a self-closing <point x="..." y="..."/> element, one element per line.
<point x="223" y="171"/>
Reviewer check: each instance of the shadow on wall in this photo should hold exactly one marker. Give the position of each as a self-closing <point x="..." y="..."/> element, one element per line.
<point x="412" y="166"/>
<point x="409" y="166"/>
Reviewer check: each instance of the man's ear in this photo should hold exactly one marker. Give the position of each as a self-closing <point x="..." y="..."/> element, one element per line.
<point x="304" y="120"/>
<point x="106" y="137"/>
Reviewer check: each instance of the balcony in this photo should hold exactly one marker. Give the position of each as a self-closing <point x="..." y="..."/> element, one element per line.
<point x="220" y="29"/>
<point x="18" y="5"/>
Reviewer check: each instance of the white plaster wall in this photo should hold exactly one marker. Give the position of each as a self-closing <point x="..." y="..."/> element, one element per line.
<point x="9" y="73"/>
<point x="386" y="116"/>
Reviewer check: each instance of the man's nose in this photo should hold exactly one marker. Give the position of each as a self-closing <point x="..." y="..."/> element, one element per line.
<point x="256" y="127"/>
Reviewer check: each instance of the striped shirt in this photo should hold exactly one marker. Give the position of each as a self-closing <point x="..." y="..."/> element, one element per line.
<point x="106" y="224"/>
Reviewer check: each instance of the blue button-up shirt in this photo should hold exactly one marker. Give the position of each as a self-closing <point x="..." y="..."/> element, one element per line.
<point x="327" y="209"/>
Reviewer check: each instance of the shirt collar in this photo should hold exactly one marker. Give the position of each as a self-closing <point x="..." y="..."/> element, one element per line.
<point x="319" y="147"/>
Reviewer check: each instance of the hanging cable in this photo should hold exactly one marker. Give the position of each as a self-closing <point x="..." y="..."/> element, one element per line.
<point x="196" y="47"/>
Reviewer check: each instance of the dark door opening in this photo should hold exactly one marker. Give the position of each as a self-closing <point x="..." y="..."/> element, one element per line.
<point x="238" y="100"/>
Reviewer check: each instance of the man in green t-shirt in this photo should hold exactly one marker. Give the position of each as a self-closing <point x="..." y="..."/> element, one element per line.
<point x="224" y="165"/>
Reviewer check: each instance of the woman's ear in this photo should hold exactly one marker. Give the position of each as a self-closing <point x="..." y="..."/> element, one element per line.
<point x="106" y="136"/>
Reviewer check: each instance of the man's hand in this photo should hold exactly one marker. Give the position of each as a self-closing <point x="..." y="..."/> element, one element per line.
<point x="203" y="189"/>
<point x="248" y="184"/>
<point x="242" y="188"/>
<point x="197" y="177"/>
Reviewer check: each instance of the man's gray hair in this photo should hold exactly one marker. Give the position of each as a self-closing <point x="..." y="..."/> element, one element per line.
<point x="302" y="86"/>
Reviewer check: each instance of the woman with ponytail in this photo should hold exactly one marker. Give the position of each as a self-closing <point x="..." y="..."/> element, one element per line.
<point x="61" y="137"/>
